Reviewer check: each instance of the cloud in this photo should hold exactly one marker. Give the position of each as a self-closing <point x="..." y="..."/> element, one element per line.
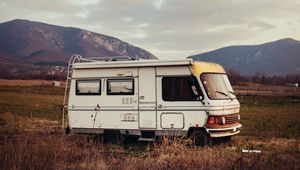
<point x="168" y="28"/>
<point x="261" y="26"/>
<point x="158" y="4"/>
<point x="81" y="2"/>
<point x="127" y="19"/>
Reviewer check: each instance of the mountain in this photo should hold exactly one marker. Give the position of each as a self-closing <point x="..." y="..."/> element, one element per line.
<point x="274" y="58"/>
<point x="34" y="43"/>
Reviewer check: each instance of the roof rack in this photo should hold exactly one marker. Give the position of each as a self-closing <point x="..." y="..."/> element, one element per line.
<point x="78" y="58"/>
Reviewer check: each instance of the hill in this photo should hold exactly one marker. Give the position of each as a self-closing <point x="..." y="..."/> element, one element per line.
<point x="274" y="58"/>
<point x="37" y="43"/>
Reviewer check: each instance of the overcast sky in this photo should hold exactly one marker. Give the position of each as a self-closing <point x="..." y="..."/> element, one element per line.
<point x="168" y="28"/>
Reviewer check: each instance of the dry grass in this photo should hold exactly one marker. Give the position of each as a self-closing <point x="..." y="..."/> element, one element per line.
<point x="41" y="150"/>
<point x="33" y="143"/>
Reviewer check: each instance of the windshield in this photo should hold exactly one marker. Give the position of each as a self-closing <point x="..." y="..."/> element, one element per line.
<point x="217" y="86"/>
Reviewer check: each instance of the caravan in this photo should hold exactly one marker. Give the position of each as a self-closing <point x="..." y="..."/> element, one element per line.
<point x="150" y="98"/>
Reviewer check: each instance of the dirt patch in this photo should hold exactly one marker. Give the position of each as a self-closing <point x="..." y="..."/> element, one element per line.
<point x="5" y="82"/>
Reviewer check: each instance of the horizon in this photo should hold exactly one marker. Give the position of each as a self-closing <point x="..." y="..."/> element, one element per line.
<point x="169" y="29"/>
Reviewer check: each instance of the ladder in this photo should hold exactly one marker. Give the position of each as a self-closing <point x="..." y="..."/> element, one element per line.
<point x="75" y="58"/>
<point x="72" y="60"/>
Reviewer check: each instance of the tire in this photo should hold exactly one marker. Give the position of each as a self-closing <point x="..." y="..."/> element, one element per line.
<point x="200" y="138"/>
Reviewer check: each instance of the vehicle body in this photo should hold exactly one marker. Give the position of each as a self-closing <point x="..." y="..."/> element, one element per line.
<point x="150" y="98"/>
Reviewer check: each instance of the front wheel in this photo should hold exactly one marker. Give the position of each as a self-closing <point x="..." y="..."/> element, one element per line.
<point x="200" y="138"/>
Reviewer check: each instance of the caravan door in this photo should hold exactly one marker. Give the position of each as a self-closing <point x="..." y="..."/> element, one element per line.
<point x="178" y="107"/>
<point x="147" y="98"/>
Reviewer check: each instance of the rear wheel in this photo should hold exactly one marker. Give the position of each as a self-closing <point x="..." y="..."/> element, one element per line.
<point x="200" y="138"/>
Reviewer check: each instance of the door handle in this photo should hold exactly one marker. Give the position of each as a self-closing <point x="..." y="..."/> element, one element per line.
<point x="159" y="106"/>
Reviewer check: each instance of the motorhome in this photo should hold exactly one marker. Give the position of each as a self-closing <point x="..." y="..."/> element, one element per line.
<point x="149" y="99"/>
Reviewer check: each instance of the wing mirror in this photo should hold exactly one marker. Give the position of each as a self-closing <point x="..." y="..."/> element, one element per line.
<point x="196" y="88"/>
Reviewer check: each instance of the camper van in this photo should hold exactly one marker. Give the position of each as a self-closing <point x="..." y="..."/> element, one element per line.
<point x="149" y="99"/>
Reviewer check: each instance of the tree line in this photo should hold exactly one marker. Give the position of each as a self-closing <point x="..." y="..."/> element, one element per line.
<point x="261" y="78"/>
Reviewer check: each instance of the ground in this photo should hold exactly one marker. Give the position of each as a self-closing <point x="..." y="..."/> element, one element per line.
<point x="31" y="138"/>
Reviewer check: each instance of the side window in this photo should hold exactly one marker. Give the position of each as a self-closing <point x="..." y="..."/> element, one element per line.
<point x="120" y="87"/>
<point x="183" y="88"/>
<point x="88" y="87"/>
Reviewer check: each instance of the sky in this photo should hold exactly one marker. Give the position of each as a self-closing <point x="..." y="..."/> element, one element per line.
<point x="169" y="29"/>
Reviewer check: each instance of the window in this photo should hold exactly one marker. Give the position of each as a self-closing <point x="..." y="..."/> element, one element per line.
<point x="120" y="87"/>
<point x="184" y="88"/>
<point x="88" y="87"/>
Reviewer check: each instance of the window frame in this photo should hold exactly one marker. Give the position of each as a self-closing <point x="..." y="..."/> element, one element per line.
<point x="88" y="94"/>
<point x="182" y="76"/>
<point x="108" y="93"/>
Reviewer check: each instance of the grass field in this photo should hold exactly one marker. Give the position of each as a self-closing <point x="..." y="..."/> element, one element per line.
<point x="30" y="138"/>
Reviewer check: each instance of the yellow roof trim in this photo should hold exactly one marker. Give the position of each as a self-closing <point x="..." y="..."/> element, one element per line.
<point x="198" y="68"/>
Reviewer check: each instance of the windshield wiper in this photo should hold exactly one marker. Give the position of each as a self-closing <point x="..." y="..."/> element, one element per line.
<point x="231" y="92"/>
<point x="223" y="94"/>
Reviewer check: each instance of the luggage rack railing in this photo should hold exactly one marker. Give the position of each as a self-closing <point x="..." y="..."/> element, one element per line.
<point x="111" y="58"/>
<point x="76" y="58"/>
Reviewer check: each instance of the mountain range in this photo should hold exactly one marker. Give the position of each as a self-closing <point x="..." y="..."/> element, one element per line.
<point x="29" y="43"/>
<point x="273" y="58"/>
<point x="35" y="43"/>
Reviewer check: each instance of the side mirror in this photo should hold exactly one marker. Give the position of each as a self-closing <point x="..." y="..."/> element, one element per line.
<point x="196" y="93"/>
<point x="195" y="88"/>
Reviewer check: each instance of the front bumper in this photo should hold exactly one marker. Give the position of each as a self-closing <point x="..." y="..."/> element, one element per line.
<point x="223" y="132"/>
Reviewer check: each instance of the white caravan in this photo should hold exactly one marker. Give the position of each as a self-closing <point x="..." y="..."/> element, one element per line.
<point x="150" y="98"/>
